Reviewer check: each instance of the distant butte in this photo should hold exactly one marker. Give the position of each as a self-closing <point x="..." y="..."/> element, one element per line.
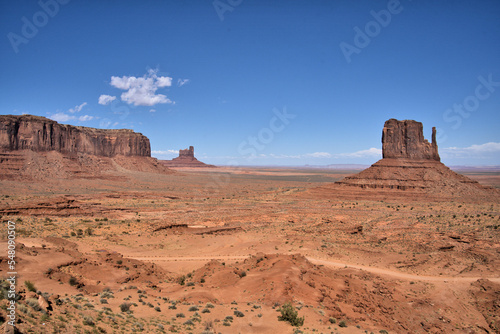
<point x="410" y="167"/>
<point x="185" y="159"/>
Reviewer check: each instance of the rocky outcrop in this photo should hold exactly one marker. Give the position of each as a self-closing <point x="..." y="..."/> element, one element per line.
<point x="185" y="159"/>
<point x="405" y="139"/>
<point x="37" y="148"/>
<point x="187" y="153"/>
<point x="41" y="134"/>
<point x="410" y="168"/>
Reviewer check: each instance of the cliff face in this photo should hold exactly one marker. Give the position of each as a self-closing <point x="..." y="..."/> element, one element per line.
<point x="187" y="153"/>
<point x="405" y="139"/>
<point x="41" y="134"/>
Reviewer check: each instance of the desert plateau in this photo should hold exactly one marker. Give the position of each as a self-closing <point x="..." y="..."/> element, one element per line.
<point x="104" y="246"/>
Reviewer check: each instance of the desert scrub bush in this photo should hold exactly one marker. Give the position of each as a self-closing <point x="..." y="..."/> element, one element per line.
<point x="383" y="331"/>
<point x="290" y="315"/>
<point x="157" y="309"/>
<point x="180" y="315"/>
<point x="181" y="279"/>
<point x="209" y="305"/>
<point x="190" y="284"/>
<point x="23" y="309"/>
<point x="30" y="286"/>
<point x="124" y="307"/>
<point x="33" y="303"/>
<point x="342" y="323"/>
<point x="193" y="309"/>
<point x="332" y="320"/>
<point x="88" y="321"/>
<point x="188" y="322"/>
<point x="73" y="281"/>
<point x="239" y="314"/>
<point x="205" y="310"/>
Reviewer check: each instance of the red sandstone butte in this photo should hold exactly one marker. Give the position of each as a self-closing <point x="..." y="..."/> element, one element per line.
<point x="185" y="159"/>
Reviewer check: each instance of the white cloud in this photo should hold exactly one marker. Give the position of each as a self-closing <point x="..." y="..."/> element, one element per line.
<point x="61" y="117"/>
<point x="182" y="82"/>
<point x="164" y="81"/>
<point x="152" y="110"/>
<point x="106" y="99"/>
<point x="167" y="152"/>
<point x="142" y="91"/>
<point x="371" y="152"/>
<point x="482" y="150"/>
<point x="77" y="108"/>
<point x="319" y="155"/>
<point x="85" y="118"/>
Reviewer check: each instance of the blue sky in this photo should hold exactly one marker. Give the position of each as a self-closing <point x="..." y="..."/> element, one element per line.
<point x="260" y="82"/>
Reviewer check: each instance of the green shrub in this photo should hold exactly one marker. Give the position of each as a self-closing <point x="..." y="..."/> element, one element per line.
<point x="239" y="314"/>
<point x="290" y="314"/>
<point x="88" y="321"/>
<point x="125" y="307"/>
<point x="342" y="323"/>
<point x="30" y="286"/>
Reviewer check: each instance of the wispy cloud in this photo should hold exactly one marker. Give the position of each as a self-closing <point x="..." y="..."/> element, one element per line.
<point x="165" y="153"/>
<point x="182" y="82"/>
<point x="77" y="108"/>
<point x="318" y="155"/>
<point x="485" y="150"/>
<point x="69" y="115"/>
<point x="141" y="91"/>
<point x="85" y="118"/>
<point x="61" y="117"/>
<point x="106" y="99"/>
<point x="369" y="153"/>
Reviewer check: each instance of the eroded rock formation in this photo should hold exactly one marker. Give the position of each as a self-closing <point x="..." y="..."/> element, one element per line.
<point x="37" y="148"/>
<point x="187" y="153"/>
<point x="410" y="168"/>
<point x="41" y="134"/>
<point x="405" y="139"/>
<point x="185" y="159"/>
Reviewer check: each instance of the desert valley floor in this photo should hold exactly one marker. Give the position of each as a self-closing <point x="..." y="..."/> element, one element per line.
<point x="221" y="250"/>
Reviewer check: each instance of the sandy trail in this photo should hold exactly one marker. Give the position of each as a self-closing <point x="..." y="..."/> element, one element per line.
<point x="328" y="263"/>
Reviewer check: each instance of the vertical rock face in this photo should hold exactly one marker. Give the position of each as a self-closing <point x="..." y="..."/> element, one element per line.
<point x="41" y="134"/>
<point x="405" y="139"/>
<point x="187" y="153"/>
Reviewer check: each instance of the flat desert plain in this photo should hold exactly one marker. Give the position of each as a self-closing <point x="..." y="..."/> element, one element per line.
<point x="223" y="250"/>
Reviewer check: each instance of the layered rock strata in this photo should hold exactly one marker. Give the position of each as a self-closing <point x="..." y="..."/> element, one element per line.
<point x="40" y="134"/>
<point x="410" y="164"/>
